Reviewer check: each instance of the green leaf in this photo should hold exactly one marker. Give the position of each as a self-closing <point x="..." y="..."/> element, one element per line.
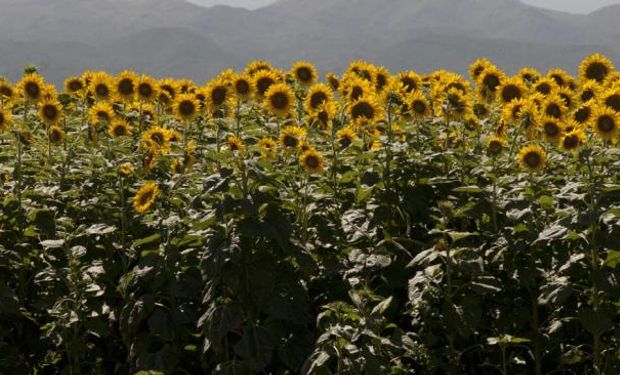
<point x="613" y="259"/>
<point x="596" y="322"/>
<point x="468" y="189"/>
<point x="147" y="240"/>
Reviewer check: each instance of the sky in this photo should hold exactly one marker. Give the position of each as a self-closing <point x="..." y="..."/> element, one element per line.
<point x="573" y="6"/>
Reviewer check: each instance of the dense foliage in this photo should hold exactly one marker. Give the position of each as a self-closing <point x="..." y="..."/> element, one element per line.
<point x="266" y="223"/>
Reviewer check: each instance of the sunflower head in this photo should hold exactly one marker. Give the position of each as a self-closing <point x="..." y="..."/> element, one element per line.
<point x="186" y="107"/>
<point x="263" y="80"/>
<point x="596" y="68"/>
<point x="56" y="135"/>
<point x="346" y="136"/>
<point x="606" y="122"/>
<point x="304" y="73"/>
<point x="477" y="67"/>
<point x="5" y="120"/>
<point x="257" y="66"/>
<point x="561" y="77"/>
<point x="118" y="128"/>
<point x="318" y="95"/>
<point x="584" y="113"/>
<point x="545" y="86"/>
<point x="495" y="145"/>
<point x="280" y="100"/>
<point x="101" y="86"/>
<point x="125" y="169"/>
<point x="589" y="91"/>
<point x="532" y="157"/>
<point x="554" y="106"/>
<point x="267" y="147"/>
<point x="312" y="161"/>
<point x="6" y="90"/>
<point x="50" y="112"/>
<point x="145" y="197"/>
<point x="381" y="78"/>
<point x="146" y="89"/>
<point x="529" y="75"/>
<point x="511" y="89"/>
<point x="101" y="112"/>
<point x="292" y="136"/>
<point x="169" y="86"/>
<point x="418" y="105"/>
<point x="333" y="81"/>
<point x="74" y="85"/>
<point x="489" y="81"/>
<point x="551" y="128"/>
<point x="216" y="94"/>
<point x="235" y="144"/>
<point x="573" y="140"/>
<point x="242" y="86"/>
<point x="324" y="115"/>
<point x="365" y="110"/>
<point x="31" y="87"/>
<point x="410" y="81"/>
<point x="611" y="99"/>
<point x="157" y="139"/>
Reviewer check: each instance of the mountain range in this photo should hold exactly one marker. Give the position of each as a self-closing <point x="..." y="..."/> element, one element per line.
<point x="181" y="39"/>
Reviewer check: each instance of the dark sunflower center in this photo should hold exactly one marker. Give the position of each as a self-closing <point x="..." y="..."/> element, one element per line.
<point x="234" y="146"/>
<point x="558" y="79"/>
<point x="119" y="130"/>
<point x="477" y="71"/>
<point x="290" y="141"/>
<point x="304" y="74"/>
<point x="145" y="90"/>
<point x="242" y="87"/>
<point x="532" y="159"/>
<point x="186" y="108"/>
<point x="103" y="115"/>
<point x="1" y="119"/>
<point x="32" y="89"/>
<point x="495" y="147"/>
<point x="50" y="112"/>
<point x="571" y="142"/>
<point x="125" y="86"/>
<point x="597" y="71"/>
<point x="408" y="83"/>
<point x="312" y="161"/>
<point x="145" y="197"/>
<point x="544" y="88"/>
<point x="582" y="115"/>
<point x="218" y="95"/>
<point x="345" y="140"/>
<point x="158" y="138"/>
<point x="317" y="99"/>
<point x="333" y="82"/>
<point x="381" y="81"/>
<point x="356" y="92"/>
<point x="551" y="129"/>
<point x="362" y="110"/>
<point x="102" y="90"/>
<point x="263" y="84"/>
<point x="75" y="85"/>
<point x="6" y="91"/>
<point x="553" y="110"/>
<point x="510" y="93"/>
<point x="418" y="107"/>
<point x="613" y="102"/>
<point x="55" y="136"/>
<point x="491" y="81"/>
<point x="323" y="117"/>
<point x="606" y="124"/>
<point x="279" y="100"/>
<point x="587" y="95"/>
<point x="169" y="90"/>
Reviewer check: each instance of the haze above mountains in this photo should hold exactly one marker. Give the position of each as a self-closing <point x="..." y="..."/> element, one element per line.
<point x="177" y="38"/>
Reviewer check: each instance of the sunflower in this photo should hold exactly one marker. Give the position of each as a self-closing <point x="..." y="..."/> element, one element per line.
<point x="242" y="86"/>
<point x="481" y="110"/>
<point x="157" y="139"/>
<point x="118" y="128"/>
<point x="312" y="161"/>
<point x="263" y="80"/>
<point x="101" y="86"/>
<point x="146" y="89"/>
<point x="381" y="78"/>
<point x="529" y="75"/>
<point x="292" y="136"/>
<point x="410" y="81"/>
<point x="216" y="94"/>
<point x="418" y="105"/>
<point x="318" y="95"/>
<point x="125" y="85"/>
<point x="235" y="144"/>
<point x="360" y="68"/>
<point x="595" y="67"/>
<point x="489" y="81"/>
<point x="267" y="148"/>
<point x="168" y="86"/>
<point x="532" y="157"/>
<point x="304" y="73"/>
<point x="101" y="112"/>
<point x="511" y="112"/>
<point x="606" y="122"/>
<point x="354" y="87"/>
<point x="346" y="136"/>
<point x="496" y="144"/>
<point x="560" y="76"/>
<point x="551" y="129"/>
<point x="477" y="67"/>
<point x="511" y="89"/>
<point x="333" y="81"/>
<point x="56" y="135"/>
<point x="365" y="110"/>
<point x="280" y="100"/>
<point x="257" y="66"/>
<point x="554" y="106"/>
<point x="584" y="113"/>
<point x="324" y="115"/>
<point x="6" y="91"/>
<point x="185" y="107"/>
<point x="31" y="87"/>
<point x="5" y="120"/>
<point x="143" y="113"/>
<point x="50" y="112"/>
<point x="125" y="169"/>
<point x="74" y="85"/>
<point x="545" y="86"/>
<point x="145" y="197"/>
<point x="611" y="99"/>
<point x="589" y="90"/>
<point x="573" y="140"/>
<point x="458" y="104"/>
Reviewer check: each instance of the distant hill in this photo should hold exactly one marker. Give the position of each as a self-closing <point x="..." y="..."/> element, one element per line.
<point x="175" y="37"/>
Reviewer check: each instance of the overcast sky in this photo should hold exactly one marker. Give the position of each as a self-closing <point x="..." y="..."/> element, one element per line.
<point x="574" y="6"/>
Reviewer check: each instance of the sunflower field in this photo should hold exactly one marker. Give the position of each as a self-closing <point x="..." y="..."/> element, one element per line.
<point x="268" y="223"/>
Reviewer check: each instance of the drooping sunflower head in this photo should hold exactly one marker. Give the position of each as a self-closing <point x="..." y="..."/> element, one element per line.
<point x="145" y="197"/>
<point x="235" y="144"/>
<point x="125" y="85"/>
<point x="312" y="161"/>
<point x="304" y="72"/>
<point x="366" y="110"/>
<point x="186" y="107"/>
<point x="324" y="115"/>
<point x="606" y="123"/>
<point x="318" y="95"/>
<point x="551" y="128"/>
<point x="50" y="112"/>
<point x="595" y="67"/>
<point x="74" y="85"/>
<point x="101" y="112"/>
<point x="332" y="81"/>
<point x="242" y="86"/>
<point x="101" y="86"/>
<point x="146" y="89"/>
<point x="292" y="136"/>
<point x="5" y="120"/>
<point x="611" y="99"/>
<point x="56" y="135"/>
<point x="31" y="87"/>
<point x="495" y="145"/>
<point x="554" y="106"/>
<point x="267" y="147"/>
<point x="263" y="80"/>
<point x="529" y="75"/>
<point x="573" y="140"/>
<point x="511" y="89"/>
<point x="477" y="67"/>
<point x="280" y="100"/>
<point x="584" y="113"/>
<point x="532" y="157"/>
<point x="118" y="128"/>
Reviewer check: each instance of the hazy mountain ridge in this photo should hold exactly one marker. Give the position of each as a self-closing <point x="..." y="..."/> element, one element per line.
<point x="174" y="37"/>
